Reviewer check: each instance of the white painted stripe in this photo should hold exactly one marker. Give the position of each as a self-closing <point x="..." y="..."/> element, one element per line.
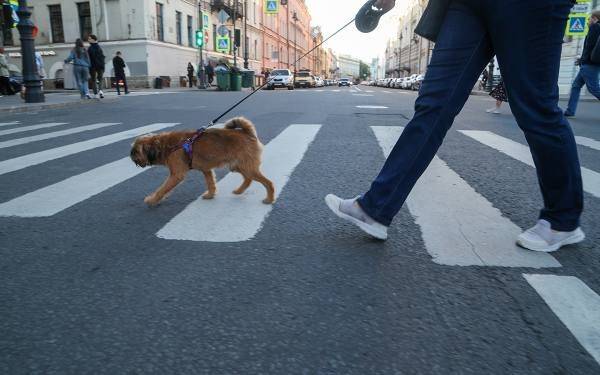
<point x="318" y="90"/>
<point x="40" y="137"/>
<point x="466" y="230"/>
<point x="9" y="123"/>
<point x="362" y="95"/>
<point x="60" y="152"/>
<point x="358" y="89"/>
<point x="335" y="90"/>
<point x="591" y="179"/>
<point x="575" y="304"/>
<point x="55" y="198"/>
<point x="370" y="91"/>
<point x="372" y="106"/>
<point x="242" y="216"/>
<point x="588" y="142"/>
<point x="387" y="92"/>
<point x="30" y="128"/>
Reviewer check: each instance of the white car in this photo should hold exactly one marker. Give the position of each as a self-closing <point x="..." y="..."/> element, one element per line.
<point x="281" y="78"/>
<point x="417" y="84"/>
<point x="319" y="82"/>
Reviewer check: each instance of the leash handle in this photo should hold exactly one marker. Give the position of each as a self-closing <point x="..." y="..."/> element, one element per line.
<point x="213" y="122"/>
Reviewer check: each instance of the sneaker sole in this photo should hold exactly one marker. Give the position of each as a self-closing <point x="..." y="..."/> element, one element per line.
<point x="577" y="237"/>
<point x="333" y="204"/>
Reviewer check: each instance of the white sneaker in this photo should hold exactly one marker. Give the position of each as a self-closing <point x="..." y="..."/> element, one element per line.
<point x="101" y="94"/>
<point x="542" y="238"/>
<point x="348" y="209"/>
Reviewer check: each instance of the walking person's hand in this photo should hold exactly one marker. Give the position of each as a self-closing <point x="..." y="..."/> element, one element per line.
<point x="385" y="5"/>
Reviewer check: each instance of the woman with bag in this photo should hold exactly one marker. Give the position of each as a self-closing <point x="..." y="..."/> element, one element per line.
<point x="81" y="68"/>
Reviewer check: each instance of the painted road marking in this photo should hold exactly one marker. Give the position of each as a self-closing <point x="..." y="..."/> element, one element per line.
<point x="387" y="92"/>
<point x="335" y="90"/>
<point x="60" y="152"/>
<point x="55" y="198"/>
<point x="370" y="91"/>
<point x="588" y="142"/>
<point x="372" y="106"/>
<point x="35" y="138"/>
<point x="466" y="230"/>
<point x="243" y="216"/>
<point x="362" y="95"/>
<point x="575" y="304"/>
<point x="9" y="123"/>
<point x="356" y="88"/>
<point x="591" y="179"/>
<point x="30" y="128"/>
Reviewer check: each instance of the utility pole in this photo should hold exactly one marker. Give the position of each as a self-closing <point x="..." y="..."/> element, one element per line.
<point x="246" y="39"/>
<point x="201" y="71"/>
<point x="31" y="77"/>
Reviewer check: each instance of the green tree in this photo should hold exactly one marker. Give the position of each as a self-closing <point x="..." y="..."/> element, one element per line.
<point x="365" y="71"/>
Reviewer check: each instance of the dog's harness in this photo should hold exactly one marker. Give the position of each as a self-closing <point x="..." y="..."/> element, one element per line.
<point x="188" y="145"/>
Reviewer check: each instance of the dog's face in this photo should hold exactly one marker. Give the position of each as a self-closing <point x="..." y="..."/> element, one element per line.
<point x="143" y="151"/>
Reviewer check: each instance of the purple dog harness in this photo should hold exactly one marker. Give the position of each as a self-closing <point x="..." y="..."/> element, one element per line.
<point x="188" y="145"/>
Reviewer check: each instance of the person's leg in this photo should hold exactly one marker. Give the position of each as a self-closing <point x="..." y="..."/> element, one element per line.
<point x="574" y="96"/>
<point x="93" y="76"/>
<point x="100" y="73"/>
<point x="79" y="78"/>
<point x="125" y="84"/>
<point x="461" y="52"/>
<point x="591" y="74"/>
<point x="532" y="65"/>
<point x="117" y="85"/>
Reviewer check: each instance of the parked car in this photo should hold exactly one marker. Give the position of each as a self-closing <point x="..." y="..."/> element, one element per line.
<point x="319" y="82"/>
<point x="344" y="82"/>
<point x="397" y="83"/>
<point x="417" y="83"/>
<point x="305" y="79"/>
<point x="281" y="78"/>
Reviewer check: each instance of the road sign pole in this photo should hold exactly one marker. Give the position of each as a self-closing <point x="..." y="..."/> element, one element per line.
<point x="201" y="72"/>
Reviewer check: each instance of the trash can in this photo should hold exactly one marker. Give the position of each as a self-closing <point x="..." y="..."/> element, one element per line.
<point x="223" y="78"/>
<point x="247" y="78"/>
<point x="236" y="81"/>
<point x="158" y="83"/>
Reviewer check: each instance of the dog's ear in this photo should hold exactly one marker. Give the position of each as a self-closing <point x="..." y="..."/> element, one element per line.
<point x="151" y="153"/>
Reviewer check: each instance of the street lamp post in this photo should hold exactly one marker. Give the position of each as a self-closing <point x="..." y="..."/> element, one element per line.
<point x="235" y="41"/>
<point x="246" y="39"/>
<point x="31" y="77"/>
<point x="295" y="18"/>
<point x="201" y="70"/>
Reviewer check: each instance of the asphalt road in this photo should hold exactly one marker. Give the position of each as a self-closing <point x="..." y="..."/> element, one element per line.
<point x="95" y="282"/>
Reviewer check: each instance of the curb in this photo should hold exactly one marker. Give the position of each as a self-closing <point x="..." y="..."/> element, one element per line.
<point x="34" y="107"/>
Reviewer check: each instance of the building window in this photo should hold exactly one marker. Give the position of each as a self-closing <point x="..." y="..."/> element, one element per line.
<point x="255" y="49"/>
<point x="56" y="25"/>
<point x="178" y="27"/>
<point x="160" y="32"/>
<point x="190" y="28"/>
<point x="85" y="19"/>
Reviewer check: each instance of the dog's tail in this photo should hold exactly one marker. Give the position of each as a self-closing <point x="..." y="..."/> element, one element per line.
<point x="242" y="123"/>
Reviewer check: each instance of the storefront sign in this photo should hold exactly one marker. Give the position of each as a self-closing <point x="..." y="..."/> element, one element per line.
<point x="43" y="53"/>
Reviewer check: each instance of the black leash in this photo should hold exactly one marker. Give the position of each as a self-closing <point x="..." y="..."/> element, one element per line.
<point x="213" y="122"/>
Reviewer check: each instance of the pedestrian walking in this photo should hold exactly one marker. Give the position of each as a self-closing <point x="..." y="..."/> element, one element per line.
<point x="190" y="74"/>
<point x="97" y="65"/>
<point x="498" y="93"/>
<point x="5" y="88"/>
<point x="210" y="73"/>
<point x="589" y="65"/>
<point x="81" y="68"/>
<point x="119" y="69"/>
<point x="467" y="34"/>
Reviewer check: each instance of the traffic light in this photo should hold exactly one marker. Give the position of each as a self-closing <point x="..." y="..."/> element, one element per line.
<point x="199" y="38"/>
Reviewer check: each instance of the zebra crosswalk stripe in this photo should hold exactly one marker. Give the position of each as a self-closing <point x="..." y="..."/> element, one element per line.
<point x="466" y="230"/>
<point x="29" y="160"/>
<point x="591" y="179"/>
<point x="243" y="216"/>
<point x="575" y="304"/>
<point x="31" y="127"/>
<point x="55" y="198"/>
<point x="60" y="133"/>
<point x="9" y="123"/>
<point x="588" y="142"/>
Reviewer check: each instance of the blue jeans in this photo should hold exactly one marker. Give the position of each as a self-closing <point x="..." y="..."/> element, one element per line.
<point x="588" y="75"/>
<point x="82" y="75"/>
<point x="473" y="31"/>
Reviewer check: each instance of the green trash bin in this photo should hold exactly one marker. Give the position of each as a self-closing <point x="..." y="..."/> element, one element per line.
<point x="236" y="81"/>
<point x="223" y="78"/>
<point x="248" y="78"/>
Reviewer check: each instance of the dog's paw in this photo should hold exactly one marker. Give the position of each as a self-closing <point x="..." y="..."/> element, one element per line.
<point x="238" y="191"/>
<point x="208" y="195"/>
<point x="268" y="201"/>
<point x="150" y="200"/>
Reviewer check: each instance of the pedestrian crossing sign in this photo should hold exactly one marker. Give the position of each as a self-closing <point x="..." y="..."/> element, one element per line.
<point x="223" y="44"/>
<point x="577" y="25"/>
<point x="271" y="6"/>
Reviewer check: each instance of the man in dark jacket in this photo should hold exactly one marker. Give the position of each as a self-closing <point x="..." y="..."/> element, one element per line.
<point x="119" y="68"/>
<point x="96" y="65"/>
<point x="589" y="70"/>
<point x="468" y="33"/>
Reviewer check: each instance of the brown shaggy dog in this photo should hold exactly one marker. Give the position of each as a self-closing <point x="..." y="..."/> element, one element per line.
<point x="236" y="146"/>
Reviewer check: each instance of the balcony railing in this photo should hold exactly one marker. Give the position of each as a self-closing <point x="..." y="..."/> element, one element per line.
<point x="228" y="6"/>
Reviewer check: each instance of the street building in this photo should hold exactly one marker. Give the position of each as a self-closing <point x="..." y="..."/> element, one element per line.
<point x="349" y="66"/>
